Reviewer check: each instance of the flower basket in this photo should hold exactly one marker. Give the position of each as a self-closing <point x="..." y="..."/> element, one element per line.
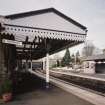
<point x="6" y="90"/>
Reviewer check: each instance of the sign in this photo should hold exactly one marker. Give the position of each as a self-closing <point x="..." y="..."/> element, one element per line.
<point x="11" y="42"/>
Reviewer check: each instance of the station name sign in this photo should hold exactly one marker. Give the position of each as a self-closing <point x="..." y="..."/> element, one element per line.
<point x="11" y="42"/>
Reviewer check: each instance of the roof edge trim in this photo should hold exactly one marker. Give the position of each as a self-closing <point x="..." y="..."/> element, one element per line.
<point x="31" y="13"/>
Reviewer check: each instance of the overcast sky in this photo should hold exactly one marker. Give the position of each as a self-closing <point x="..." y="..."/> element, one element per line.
<point x="90" y="13"/>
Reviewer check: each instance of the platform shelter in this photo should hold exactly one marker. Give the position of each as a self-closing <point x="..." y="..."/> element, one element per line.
<point x="34" y="35"/>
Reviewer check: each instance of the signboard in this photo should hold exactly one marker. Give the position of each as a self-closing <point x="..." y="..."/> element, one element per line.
<point x="11" y="42"/>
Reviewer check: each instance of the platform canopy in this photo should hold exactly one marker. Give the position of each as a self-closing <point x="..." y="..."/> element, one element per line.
<point x="42" y="31"/>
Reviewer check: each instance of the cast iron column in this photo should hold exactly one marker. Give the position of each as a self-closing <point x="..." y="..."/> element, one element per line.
<point x="47" y="70"/>
<point x="47" y="64"/>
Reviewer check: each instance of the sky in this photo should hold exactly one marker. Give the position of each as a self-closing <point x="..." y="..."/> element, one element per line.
<point x="90" y="13"/>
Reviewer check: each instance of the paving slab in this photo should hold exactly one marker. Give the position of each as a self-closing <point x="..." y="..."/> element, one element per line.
<point x="53" y="96"/>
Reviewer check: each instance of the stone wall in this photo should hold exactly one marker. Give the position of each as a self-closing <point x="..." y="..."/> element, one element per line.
<point x="7" y="57"/>
<point x="2" y="61"/>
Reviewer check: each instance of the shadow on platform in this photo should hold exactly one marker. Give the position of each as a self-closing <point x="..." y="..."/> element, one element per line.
<point x="31" y="91"/>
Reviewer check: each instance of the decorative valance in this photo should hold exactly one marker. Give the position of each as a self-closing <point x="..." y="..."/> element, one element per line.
<point x="20" y="33"/>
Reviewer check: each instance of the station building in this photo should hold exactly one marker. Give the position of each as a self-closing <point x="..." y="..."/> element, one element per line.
<point x="94" y="64"/>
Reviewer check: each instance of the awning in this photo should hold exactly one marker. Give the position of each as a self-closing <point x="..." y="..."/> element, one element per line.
<point x="40" y="29"/>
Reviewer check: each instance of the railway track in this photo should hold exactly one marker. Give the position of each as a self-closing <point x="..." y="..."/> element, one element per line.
<point x="90" y="83"/>
<point x="93" y="97"/>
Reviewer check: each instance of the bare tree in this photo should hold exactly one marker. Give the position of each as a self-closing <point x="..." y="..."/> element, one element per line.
<point x="103" y="51"/>
<point x="88" y="49"/>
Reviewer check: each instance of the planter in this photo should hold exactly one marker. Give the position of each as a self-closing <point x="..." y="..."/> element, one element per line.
<point x="6" y="90"/>
<point x="7" y="97"/>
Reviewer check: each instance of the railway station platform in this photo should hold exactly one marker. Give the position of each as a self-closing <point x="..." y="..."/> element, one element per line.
<point x="55" y="96"/>
<point x="36" y="94"/>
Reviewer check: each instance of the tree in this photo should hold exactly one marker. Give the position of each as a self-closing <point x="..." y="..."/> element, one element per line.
<point x="66" y="59"/>
<point x="57" y="58"/>
<point x="88" y="49"/>
<point x="58" y="63"/>
<point x="103" y="51"/>
<point x="77" y="57"/>
<point x="72" y="58"/>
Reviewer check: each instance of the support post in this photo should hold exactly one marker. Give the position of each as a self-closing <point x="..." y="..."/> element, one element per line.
<point x="26" y="65"/>
<point x="47" y="70"/>
<point x="43" y="63"/>
<point x="75" y="59"/>
<point x="75" y="62"/>
<point x="31" y="64"/>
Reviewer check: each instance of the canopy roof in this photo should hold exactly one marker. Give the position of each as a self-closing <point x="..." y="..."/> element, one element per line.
<point x="99" y="57"/>
<point x="42" y="31"/>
